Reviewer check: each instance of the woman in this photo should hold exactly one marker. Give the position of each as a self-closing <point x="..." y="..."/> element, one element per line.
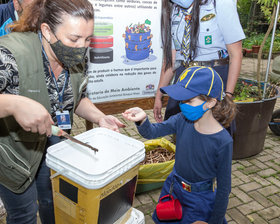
<point x="201" y="33"/>
<point x="42" y="79"/>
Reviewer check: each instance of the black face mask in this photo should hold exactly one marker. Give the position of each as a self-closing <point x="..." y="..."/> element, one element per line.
<point x="68" y="56"/>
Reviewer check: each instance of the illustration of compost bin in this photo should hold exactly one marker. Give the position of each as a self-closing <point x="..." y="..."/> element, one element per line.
<point x="152" y="176"/>
<point x="138" y="41"/>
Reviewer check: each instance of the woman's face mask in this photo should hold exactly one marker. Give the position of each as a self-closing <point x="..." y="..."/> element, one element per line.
<point x="68" y="56"/>
<point x="192" y="113"/>
<point x="183" y="3"/>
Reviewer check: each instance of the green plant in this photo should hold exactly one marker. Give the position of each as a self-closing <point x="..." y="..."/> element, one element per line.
<point x="257" y="40"/>
<point x="248" y="91"/>
<point x="245" y="91"/>
<point x="243" y="8"/>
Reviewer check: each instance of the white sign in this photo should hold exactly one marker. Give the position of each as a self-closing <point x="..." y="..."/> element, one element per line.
<point x="125" y="54"/>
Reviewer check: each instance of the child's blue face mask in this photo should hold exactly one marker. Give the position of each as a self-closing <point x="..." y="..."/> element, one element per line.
<point x="192" y="113"/>
<point x="183" y="3"/>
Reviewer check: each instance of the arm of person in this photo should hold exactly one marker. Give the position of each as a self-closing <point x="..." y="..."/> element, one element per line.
<point x="87" y="110"/>
<point x="224" y="161"/>
<point x="31" y="115"/>
<point x="231" y="29"/>
<point x="235" y="61"/>
<point x="147" y="129"/>
<point x="165" y="78"/>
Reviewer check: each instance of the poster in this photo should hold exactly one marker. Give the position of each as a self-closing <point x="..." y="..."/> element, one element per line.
<point x="125" y="53"/>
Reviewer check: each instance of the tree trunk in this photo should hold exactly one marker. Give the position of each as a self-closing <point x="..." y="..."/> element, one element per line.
<point x="261" y="50"/>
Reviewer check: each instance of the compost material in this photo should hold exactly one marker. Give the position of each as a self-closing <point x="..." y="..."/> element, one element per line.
<point x="158" y="155"/>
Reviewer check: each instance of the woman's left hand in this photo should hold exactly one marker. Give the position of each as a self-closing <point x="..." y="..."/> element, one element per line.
<point x="111" y="122"/>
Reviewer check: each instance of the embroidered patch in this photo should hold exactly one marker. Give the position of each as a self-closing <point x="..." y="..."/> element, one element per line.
<point x="208" y="39"/>
<point x="207" y="17"/>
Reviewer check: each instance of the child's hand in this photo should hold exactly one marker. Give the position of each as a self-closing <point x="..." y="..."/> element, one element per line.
<point x="135" y="114"/>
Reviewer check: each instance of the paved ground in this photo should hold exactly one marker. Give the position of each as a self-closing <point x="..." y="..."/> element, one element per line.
<point x="255" y="195"/>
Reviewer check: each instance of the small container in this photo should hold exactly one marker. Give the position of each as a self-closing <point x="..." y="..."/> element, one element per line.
<point x="169" y="208"/>
<point x="91" y="187"/>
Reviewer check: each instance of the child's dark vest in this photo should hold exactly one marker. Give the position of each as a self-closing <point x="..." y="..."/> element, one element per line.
<point x="20" y="151"/>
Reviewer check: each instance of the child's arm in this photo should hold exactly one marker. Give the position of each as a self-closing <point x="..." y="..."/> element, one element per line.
<point x="135" y="114"/>
<point x="223" y="164"/>
<point x="151" y="130"/>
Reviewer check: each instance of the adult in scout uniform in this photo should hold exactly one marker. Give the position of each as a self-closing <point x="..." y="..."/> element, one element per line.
<point x="10" y="12"/>
<point x="204" y="33"/>
<point x="42" y="80"/>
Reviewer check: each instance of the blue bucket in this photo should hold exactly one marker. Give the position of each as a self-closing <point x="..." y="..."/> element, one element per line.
<point x="133" y="45"/>
<point x="137" y="36"/>
<point x="137" y="55"/>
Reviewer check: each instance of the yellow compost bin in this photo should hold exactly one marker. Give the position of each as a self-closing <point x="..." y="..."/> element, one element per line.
<point x="91" y="187"/>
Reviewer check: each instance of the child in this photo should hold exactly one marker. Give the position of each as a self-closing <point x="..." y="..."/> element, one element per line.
<point x="203" y="146"/>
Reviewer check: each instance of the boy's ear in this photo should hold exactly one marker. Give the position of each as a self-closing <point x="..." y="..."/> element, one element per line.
<point x="211" y="103"/>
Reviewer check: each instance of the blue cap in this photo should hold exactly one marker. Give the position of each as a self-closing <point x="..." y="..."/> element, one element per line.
<point x="195" y="81"/>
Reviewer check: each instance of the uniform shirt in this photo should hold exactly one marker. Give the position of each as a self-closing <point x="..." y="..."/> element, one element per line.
<point x="214" y="33"/>
<point x="9" y="82"/>
<point x="7" y="16"/>
<point x="198" y="157"/>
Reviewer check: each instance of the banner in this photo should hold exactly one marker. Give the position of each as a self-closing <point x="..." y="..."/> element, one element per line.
<point x="125" y="53"/>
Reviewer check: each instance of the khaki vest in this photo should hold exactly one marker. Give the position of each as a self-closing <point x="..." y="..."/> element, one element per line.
<point x="20" y="151"/>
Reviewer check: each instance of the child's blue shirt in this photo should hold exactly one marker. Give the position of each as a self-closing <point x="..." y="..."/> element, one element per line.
<point x="198" y="156"/>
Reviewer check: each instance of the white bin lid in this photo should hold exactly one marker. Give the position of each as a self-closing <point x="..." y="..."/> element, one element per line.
<point x="117" y="154"/>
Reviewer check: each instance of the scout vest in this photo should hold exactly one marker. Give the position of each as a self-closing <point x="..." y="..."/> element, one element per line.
<point x="20" y="151"/>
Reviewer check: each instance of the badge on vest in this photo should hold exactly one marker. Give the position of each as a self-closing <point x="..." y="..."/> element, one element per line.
<point x="63" y="119"/>
<point x="208" y="17"/>
<point x="208" y="39"/>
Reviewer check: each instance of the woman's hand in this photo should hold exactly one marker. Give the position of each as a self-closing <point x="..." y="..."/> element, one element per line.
<point x="110" y="122"/>
<point x="31" y="115"/>
<point x="135" y="114"/>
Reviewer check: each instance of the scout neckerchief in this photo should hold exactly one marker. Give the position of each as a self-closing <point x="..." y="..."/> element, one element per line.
<point x="185" y="46"/>
<point x="62" y="116"/>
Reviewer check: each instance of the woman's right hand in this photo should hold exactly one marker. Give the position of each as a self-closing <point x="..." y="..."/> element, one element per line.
<point x="135" y="114"/>
<point x="32" y="116"/>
